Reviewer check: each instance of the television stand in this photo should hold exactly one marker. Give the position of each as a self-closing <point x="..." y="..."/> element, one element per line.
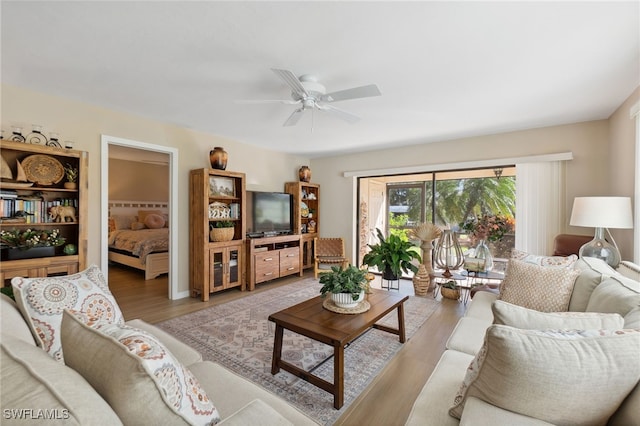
<point x="269" y="258"/>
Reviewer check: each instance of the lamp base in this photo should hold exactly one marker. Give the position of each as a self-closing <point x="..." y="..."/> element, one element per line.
<point x="601" y="249"/>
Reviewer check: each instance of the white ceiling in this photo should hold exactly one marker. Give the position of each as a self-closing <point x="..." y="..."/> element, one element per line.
<point x="445" y="69"/>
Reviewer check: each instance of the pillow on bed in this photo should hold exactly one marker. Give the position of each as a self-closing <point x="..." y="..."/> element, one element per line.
<point x="154" y="221"/>
<point x="136" y="226"/>
<point x="123" y="221"/>
<point x="142" y="214"/>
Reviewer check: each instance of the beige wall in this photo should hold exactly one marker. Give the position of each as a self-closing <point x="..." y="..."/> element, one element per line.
<point x="622" y="166"/>
<point x="136" y="181"/>
<point x="84" y="124"/>
<point x="587" y="173"/>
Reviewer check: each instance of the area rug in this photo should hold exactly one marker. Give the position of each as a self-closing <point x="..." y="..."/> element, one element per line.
<point x="239" y="336"/>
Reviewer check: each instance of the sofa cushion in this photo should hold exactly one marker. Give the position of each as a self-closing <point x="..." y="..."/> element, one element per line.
<point x="468" y="336"/>
<point x="538" y="373"/>
<point x="42" y="301"/>
<point x="125" y="364"/>
<point x="548" y="261"/>
<point x="480" y="306"/>
<point x="516" y="316"/>
<point x="629" y="270"/>
<point x="256" y="413"/>
<point x="45" y="390"/>
<point x="592" y="272"/>
<point x="537" y="287"/>
<point x="232" y="392"/>
<point x="619" y="295"/>
<point x="479" y="413"/>
<point x="13" y="323"/>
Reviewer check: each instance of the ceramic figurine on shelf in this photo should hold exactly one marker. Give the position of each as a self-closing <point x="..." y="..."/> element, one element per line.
<point x="16" y="135"/>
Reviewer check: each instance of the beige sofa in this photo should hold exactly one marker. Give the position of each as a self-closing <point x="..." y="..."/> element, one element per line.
<point x="36" y="389"/>
<point x="597" y="288"/>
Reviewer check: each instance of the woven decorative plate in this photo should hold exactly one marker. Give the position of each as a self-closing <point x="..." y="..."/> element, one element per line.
<point x="42" y="169"/>
<point x="361" y="307"/>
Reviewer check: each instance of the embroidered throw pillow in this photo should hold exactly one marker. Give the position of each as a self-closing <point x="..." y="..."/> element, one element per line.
<point x="125" y="364"/>
<point x="548" y="261"/>
<point x="539" y="373"/>
<point x="516" y="316"/>
<point x="154" y="221"/>
<point x="537" y="287"/>
<point x="42" y="301"/>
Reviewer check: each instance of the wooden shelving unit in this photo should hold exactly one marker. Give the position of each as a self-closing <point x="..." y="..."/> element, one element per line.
<point x="38" y="200"/>
<point x="216" y="266"/>
<point x="306" y="208"/>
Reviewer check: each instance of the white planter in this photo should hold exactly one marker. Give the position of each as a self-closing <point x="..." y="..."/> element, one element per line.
<point x="345" y="300"/>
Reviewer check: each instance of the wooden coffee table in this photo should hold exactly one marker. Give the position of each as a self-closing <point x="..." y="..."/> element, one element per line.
<point x="312" y="320"/>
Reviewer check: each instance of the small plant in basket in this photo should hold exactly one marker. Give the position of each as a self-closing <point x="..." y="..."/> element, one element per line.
<point x="221" y="230"/>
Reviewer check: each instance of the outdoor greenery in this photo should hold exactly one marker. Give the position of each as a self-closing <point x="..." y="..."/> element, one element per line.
<point x="392" y="254"/>
<point x="348" y="280"/>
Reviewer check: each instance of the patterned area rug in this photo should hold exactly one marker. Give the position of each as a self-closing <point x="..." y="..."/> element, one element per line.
<point x="238" y="335"/>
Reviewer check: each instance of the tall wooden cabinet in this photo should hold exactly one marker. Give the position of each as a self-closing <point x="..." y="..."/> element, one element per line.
<point x="306" y="216"/>
<point x="216" y="196"/>
<point x="36" y="201"/>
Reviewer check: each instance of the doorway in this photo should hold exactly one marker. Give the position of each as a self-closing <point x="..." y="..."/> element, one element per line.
<point x="150" y="151"/>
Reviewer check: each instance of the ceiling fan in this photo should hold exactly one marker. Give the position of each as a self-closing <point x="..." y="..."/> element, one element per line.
<point x="308" y="94"/>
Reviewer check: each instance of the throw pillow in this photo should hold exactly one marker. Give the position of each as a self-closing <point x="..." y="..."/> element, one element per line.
<point x="537" y="287"/>
<point x="123" y="221"/>
<point x="154" y="221"/>
<point x="539" y="373"/>
<point x="42" y="301"/>
<point x="136" y="226"/>
<point x="142" y="214"/>
<point x="549" y="261"/>
<point x="516" y="316"/>
<point x="137" y="376"/>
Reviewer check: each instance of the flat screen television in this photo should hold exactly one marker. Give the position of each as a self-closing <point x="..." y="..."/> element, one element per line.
<point x="270" y="212"/>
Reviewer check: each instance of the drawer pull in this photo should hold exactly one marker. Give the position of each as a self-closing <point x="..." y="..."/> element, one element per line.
<point x="268" y="259"/>
<point x="291" y="255"/>
<point x="268" y="273"/>
<point x="291" y="269"/>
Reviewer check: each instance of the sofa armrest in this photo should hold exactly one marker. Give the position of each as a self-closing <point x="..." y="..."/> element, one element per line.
<point x="480" y="413"/>
<point x="256" y="413"/>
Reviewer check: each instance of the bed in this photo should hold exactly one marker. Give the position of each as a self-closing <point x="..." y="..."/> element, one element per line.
<point x="139" y="236"/>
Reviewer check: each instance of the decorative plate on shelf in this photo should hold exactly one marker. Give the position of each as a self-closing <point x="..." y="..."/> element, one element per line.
<point x="43" y="169"/>
<point x="304" y="210"/>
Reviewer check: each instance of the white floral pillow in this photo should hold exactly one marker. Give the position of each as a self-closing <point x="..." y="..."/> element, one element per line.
<point x="42" y="301"/>
<point x="548" y="261"/>
<point x="126" y="364"/>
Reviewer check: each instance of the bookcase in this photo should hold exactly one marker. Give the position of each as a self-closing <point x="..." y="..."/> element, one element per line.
<point x="30" y="194"/>
<point x="306" y="216"/>
<point x="216" y="197"/>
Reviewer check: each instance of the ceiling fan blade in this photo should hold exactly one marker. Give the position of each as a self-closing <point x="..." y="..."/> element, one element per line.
<point x="292" y="81"/>
<point x="353" y="93"/>
<point x="340" y="113"/>
<point x="268" y="101"/>
<point x="294" y="117"/>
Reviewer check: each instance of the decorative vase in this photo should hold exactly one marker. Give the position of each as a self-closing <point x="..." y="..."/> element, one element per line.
<point x="221" y="234"/>
<point x="483" y="252"/>
<point x="70" y="185"/>
<point x="388" y="275"/>
<point x="30" y="253"/>
<point x="427" y="254"/>
<point x="421" y="281"/>
<point x="305" y="174"/>
<point x="345" y="300"/>
<point x="218" y="158"/>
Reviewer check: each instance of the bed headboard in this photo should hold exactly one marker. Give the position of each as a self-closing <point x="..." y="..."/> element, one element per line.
<point x="119" y="207"/>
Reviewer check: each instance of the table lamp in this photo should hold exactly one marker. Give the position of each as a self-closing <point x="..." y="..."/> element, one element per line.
<point x="601" y="213"/>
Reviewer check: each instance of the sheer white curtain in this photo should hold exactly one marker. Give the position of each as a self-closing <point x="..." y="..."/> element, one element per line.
<point x="540" y="196"/>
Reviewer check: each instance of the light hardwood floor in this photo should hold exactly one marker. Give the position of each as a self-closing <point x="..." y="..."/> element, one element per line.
<point x="389" y="398"/>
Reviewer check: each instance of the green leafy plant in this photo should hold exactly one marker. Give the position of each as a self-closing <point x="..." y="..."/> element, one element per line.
<point x="30" y="238"/>
<point x="392" y="254"/>
<point x="450" y="284"/>
<point x="71" y="172"/>
<point x="221" y="224"/>
<point x="348" y="280"/>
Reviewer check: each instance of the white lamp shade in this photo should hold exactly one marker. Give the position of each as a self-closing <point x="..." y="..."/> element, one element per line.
<point x="602" y="212"/>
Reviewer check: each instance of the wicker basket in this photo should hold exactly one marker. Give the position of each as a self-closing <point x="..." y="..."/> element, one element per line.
<point x="221" y="234"/>
<point x="450" y="293"/>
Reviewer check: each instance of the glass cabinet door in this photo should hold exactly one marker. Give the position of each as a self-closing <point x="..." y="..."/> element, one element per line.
<point x="235" y="266"/>
<point x="217" y="268"/>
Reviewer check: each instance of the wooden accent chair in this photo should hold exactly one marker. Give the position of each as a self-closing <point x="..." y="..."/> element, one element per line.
<point x="328" y="251"/>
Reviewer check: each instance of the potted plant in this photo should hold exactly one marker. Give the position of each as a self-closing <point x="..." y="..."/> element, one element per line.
<point x="30" y="243"/>
<point x="72" y="176"/>
<point x="449" y="290"/>
<point x="221" y="230"/>
<point x="346" y="286"/>
<point x="392" y="256"/>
